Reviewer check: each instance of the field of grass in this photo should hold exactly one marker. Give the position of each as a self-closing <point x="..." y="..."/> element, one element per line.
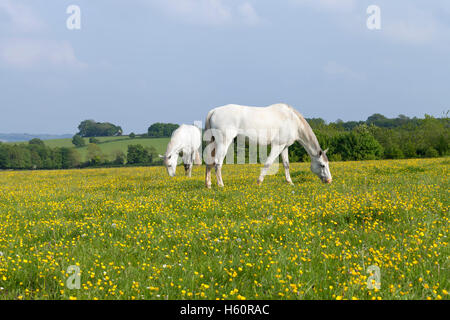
<point x="136" y="234"/>
<point x="109" y="145"/>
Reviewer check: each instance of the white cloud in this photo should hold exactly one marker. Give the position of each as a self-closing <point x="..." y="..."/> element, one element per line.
<point x="28" y="53"/>
<point x="208" y="12"/>
<point x="403" y="21"/>
<point x="22" y="48"/>
<point x="414" y="26"/>
<point x="333" y="68"/>
<point x="20" y="17"/>
<point x="196" y="11"/>
<point x="329" y="5"/>
<point x="249" y="14"/>
<point x="406" y="32"/>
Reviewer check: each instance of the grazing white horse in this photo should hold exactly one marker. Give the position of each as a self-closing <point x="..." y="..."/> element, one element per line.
<point x="186" y="139"/>
<point x="279" y="125"/>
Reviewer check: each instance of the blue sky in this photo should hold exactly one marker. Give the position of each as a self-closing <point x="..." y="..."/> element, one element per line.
<point x="136" y="62"/>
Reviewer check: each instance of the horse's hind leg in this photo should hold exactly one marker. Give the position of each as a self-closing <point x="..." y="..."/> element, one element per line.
<point x="221" y="153"/>
<point x="209" y="160"/>
<point x="285" y="158"/>
<point x="274" y="153"/>
<point x="208" y="176"/>
<point x="188" y="169"/>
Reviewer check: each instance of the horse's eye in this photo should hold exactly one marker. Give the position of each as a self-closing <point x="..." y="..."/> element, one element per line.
<point x="322" y="165"/>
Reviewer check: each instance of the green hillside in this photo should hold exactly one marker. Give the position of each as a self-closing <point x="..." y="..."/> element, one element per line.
<point x="109" y="145"/>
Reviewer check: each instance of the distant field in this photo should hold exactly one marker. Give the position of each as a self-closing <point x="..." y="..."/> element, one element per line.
<point x="108" y="145"/>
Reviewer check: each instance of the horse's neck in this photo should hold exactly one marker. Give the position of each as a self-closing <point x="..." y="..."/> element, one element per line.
<point x="311" y="148"/>
<point x="173" y="147"/>
<point x="307" y="138"/>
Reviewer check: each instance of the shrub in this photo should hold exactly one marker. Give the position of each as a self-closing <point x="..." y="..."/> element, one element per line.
<point x="93" y="140"/>
<point x="431" y="153"/>
<point x="78" y="141"/>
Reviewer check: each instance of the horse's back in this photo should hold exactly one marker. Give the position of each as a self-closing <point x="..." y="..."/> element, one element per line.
<point x="246" y="117"/>
<point x="187" y="135"/>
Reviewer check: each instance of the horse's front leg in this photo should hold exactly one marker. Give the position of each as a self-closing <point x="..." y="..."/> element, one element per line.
<point x="285" y="158"/>
<point x="274" y="153"/>
<point x="187" y="169"/>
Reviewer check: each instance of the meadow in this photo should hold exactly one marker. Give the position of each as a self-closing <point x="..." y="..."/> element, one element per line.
<point x="136" y="234"/>
<point x="109" y="145"/>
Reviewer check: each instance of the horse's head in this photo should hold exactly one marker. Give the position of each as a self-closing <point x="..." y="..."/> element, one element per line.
<point x="170" y="162"/>
<point x="320" y="166"/>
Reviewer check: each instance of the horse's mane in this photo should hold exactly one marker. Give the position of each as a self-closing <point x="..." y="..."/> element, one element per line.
<point x="308" y="134"/>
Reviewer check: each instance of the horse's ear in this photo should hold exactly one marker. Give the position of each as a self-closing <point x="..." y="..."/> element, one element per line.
<point x="326" y="150"/>
<point x="161" y="156"/>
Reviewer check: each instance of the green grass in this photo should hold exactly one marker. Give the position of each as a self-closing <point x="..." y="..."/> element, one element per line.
<point x="135" y="233"/>
<point x="109" y="145"/>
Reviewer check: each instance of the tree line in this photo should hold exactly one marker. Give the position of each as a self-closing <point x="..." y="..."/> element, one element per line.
<point x="381" y="138"/>
<point x="91" y="128"/>
<point x="376" y="138"/>
<point x="36" y="155"/>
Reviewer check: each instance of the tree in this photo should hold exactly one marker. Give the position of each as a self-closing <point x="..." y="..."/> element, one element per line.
<point x="94" y="154"/>
<point x="132" y="135"/>
<point x="160" y="130"/>
<point x="4" y="156"/>
<point x="393" y="151"/>
<point x="137" y="154"/>
<point x="36" y="141"/>
<point x="357" y="145"/>
<point x="90" y="128"/>
<point x="20" y="157"/>
<point x="93" y="140"/>
<point x="119" y="157"/>
<point x="78" y="141"/>
<point x="70" y="158"/>
<point x="315" y="122"/>
<point x="378" y="120"/>
<point x="431" y="153"/>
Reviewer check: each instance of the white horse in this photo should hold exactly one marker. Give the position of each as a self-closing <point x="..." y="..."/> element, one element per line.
<point x="186" y="139"/>
<point x="279" y="125"/>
